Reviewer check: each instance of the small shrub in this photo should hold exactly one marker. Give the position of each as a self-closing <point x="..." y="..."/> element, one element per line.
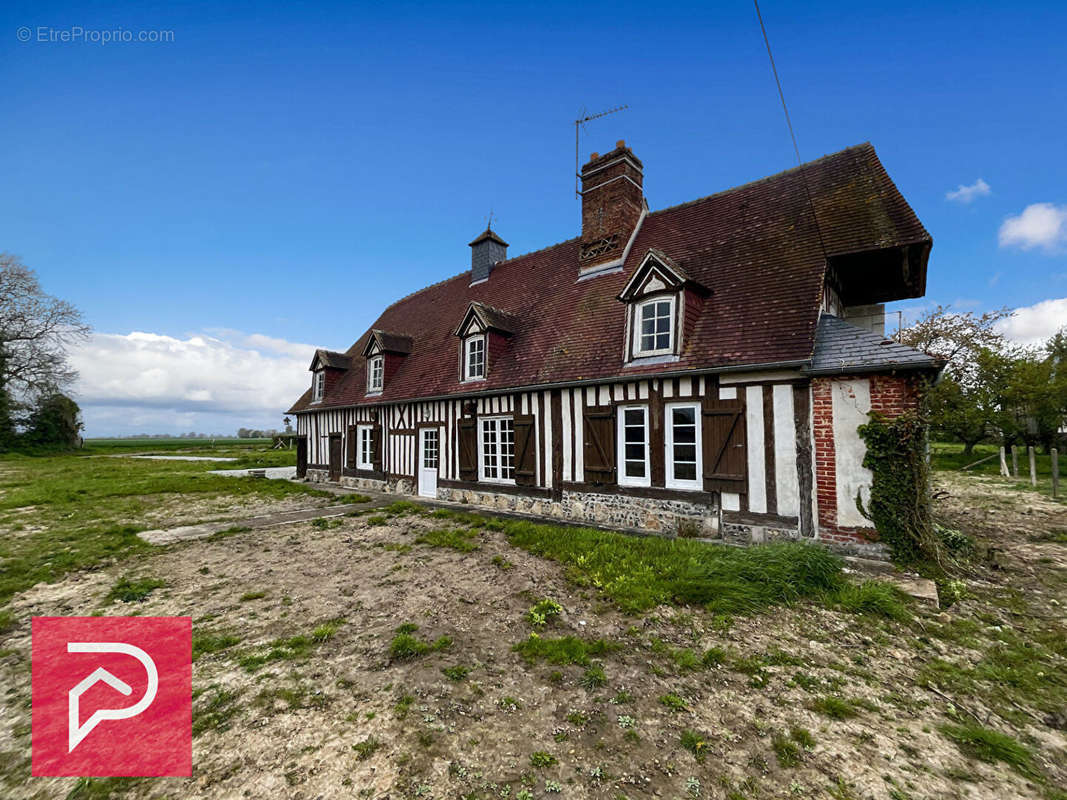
<point x="674" y="702"/>
<point x="407" y="627"/>
<point x="802" y="736"/>
<point x="367" y="748"/>
<point x="456" y="673"/>
<point x="133" y="590"/>
<point x="593" y="678"/>
<point x="405" y="645"/>
<point x="786" y="751"/>
<point x="326" y="630"/>
<point x="541" y="759"/>
<point x="626" y="721"/>
<point x="543" y="611"/>
<point x="578" y="719"/>
<point x="696" y="743"/>
<point x="714" y="656"/>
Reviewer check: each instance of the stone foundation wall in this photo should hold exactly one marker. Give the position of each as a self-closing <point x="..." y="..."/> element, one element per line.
<point x="610" y="510"/>
<point x="397" y="486"/>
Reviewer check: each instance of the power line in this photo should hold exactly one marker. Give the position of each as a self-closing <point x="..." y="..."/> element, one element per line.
<point x="789" y="124"/>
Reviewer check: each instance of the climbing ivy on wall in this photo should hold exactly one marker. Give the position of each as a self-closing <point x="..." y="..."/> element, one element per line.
<point x="900" y="505"/>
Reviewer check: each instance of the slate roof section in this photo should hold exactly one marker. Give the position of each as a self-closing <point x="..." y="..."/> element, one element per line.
<point x="756" y="248"/>
<point x="494" y="318"/>
<point x="841" y="348"/>
<point x="332" y="359"/>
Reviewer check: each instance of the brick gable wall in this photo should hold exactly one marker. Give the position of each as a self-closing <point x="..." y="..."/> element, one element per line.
<point x="891" y="396"/>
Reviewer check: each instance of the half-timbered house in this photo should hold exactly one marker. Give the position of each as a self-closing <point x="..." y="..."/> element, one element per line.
<point x="701" y="368"/>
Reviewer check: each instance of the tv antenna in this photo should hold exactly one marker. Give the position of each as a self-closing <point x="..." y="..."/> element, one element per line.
<point x="579" y="124"/>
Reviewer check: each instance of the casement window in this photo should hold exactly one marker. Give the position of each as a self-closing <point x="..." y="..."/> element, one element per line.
<point x="654" y="327"/>
<point x="632" y="429"/>
<point x="474" y="358"/>
<point x="364" y="447"/>
<point x="496" y="449"/>
<point x="318" y="386"/>
<point x="683" y="446"/>
<point x="375" y="374"/>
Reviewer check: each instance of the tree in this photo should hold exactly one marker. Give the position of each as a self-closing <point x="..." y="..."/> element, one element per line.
<point x="956" y="337"/>
<point x="35" y="331"/>
<point x="54" y="423"/>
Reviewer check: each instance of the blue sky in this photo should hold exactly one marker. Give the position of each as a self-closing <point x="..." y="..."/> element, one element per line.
<point x="284" y="171"/>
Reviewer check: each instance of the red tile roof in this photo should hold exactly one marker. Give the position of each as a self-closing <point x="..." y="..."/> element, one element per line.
<point x="756" y="247"/>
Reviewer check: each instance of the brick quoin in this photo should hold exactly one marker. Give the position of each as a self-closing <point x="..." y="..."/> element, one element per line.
<point x="891" y="396"/>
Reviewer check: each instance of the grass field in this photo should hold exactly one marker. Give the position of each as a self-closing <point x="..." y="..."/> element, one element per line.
<point x="417" y="653"/>
<point x="949" y="456"/>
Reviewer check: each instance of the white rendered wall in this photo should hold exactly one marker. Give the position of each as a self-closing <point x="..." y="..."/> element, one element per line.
<point x="851" y="403"/>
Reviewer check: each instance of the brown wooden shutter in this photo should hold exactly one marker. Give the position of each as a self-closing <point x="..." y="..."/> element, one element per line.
<point x="525" y="451"/>
<point x="467" y="437"/>
<point x="375" y="448"/>
<point x="350" y="460"/>
<point x="599" y="448"/>
<point x="725" y="462"/>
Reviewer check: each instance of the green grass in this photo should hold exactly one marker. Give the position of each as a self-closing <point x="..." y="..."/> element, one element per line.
<point x="461" y="539"/>
<point x="786" y="751"/>
<point x="133" y="590"/>
<point x="406" y="645"/>
<point x="456" y="673"/>
<point x="367" y="748"/>
<point x="249" y="596"/>
<point x="102" y="788"/>
<point x="88" y="510"/>
<point x="289" y="649"/>
<point x="673" y="702"/>
<point x="642" y="573"/>
<point x="877" y="598"/>
<point x="991" y="746"/>
<point x="217" y="712"/>
<point x="204" y="643"/>
<point x="834" y="707"/>
<point x="562" y="650"/>
<point x="541" y="759"/>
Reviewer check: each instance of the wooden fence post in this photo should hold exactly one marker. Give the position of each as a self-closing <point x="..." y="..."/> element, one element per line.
<point x="1014" y="461"/>
<point x="1033" y="466"/>
<point x="1055" y="472"/>
<point x="1003" y="462"/>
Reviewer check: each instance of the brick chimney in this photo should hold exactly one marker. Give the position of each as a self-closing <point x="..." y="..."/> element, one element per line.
<point x="612" y="204"/>
<point x="486" y="251"/>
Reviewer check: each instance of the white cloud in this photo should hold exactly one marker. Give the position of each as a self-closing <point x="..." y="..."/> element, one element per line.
<point x="967" y="194"/>
<point x="1041" y="225"/>
<point x="1034" y="324"/>
<point x="146" y="382"/>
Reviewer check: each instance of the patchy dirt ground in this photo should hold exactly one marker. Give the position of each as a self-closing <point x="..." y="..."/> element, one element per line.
<point x="297" y="703"/>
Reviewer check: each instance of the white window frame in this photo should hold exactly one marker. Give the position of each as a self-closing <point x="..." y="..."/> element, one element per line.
<point x="672" y="302"/>
<point x="467" y="344"/>
<point x="620" y="448"/>
<point x="364" y="448"/>
<point x="318" y="385"/>
<point x="671" y="482"/>
<point x="497" y="423"/>
<point x="375" y="364"/>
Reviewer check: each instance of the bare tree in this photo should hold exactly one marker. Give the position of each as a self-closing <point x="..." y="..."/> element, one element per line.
<point x="35" y="331"/>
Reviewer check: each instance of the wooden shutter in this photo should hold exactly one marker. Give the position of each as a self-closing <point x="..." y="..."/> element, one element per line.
<point x="525" y="451"/>
<point x="467" y="438"/>
<point x="599" y="445"/>
<point x="375" y="448"/>
<point x="350" y="448"/>
<point x="725" y="461"/>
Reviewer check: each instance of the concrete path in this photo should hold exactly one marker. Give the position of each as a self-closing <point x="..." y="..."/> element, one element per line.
<point x="180" y="458"/>
<point x="274" y="473"/>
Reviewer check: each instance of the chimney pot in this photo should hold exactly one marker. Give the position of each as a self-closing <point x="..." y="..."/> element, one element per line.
<point x="620" y="144"/>
<point x="594" y="156"/>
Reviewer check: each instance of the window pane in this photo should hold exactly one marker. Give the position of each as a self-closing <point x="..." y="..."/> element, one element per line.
<point x="635" y="452"/>
<point x="685" y="452"/>
<point x="634" y="416"/>
<point x="684" y="416"/>
<point x="685" y="472"/>
<point x="663" y="341"/>
<point x="635" y="469"/>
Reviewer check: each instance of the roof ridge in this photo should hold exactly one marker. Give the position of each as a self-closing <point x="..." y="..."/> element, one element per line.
<point x="768" y="178"/>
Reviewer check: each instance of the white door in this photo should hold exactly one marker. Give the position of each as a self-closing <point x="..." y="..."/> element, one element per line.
<point x="429" y="450"/>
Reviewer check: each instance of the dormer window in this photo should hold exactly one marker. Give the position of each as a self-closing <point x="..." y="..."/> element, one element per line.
<point x="474" y="358"/>
<point x="375" y="373"/>
<point x="318" y="385"/>
<point x="659" y="296"/>
<point x="654" y="331"/>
